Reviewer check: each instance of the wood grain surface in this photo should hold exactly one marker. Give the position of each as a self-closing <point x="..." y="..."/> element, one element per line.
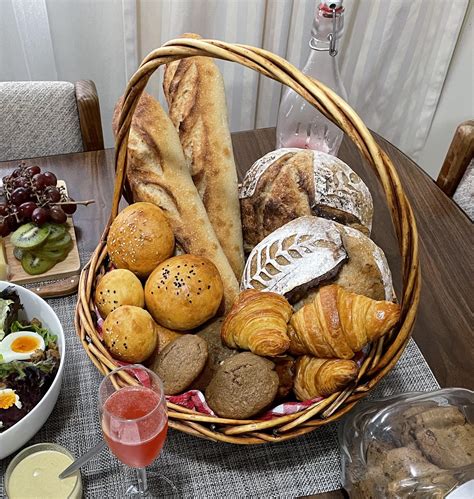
<point x="68" y="267"/>
<point x="458" y="157"/>
<point x="444" y="328"/>
<point x="89" y="115"/>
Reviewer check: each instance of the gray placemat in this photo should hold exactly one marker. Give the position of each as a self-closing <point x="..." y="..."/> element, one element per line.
<point x="192" y="467"/>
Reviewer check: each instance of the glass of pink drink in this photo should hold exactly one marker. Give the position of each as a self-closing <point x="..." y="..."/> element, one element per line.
<point x="134" y="420"/>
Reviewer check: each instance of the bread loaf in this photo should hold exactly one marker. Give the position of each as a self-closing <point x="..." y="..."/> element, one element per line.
<point x="308" y="251"/>
<point x="302" y="253"/>
<point x="157" y="173"/>
<point x="194" y="89"/>
<point x="365" y="272"/>
<point x="289" y="183"/>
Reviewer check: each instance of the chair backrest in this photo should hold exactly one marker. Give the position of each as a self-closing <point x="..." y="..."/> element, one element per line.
<point x="43" y="118"/>
<point x="456" y="177"/>
<point x="464" y="195"/>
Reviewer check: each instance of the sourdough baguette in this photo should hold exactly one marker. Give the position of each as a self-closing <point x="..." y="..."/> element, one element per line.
<point x="157" y="173"/>
<point x="194" y="89"/>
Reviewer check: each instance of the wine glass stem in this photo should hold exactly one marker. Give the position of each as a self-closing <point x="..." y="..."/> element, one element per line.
<point x="142" y="482"/>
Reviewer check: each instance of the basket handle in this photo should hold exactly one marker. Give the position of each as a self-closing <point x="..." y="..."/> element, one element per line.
<point x="330" y="105"/>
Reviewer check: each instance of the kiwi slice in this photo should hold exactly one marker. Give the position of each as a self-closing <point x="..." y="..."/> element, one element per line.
<point x="58" y="254"/>
<point x="56" y="231"/>
<point x="29" y="236"/>
<point x="34" y="265"/>
<point x="17" y="253"/>
<point x="62" y="243"/>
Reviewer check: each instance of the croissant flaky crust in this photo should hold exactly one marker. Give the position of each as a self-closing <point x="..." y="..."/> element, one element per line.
<point x="322" y="377"/>
<point x="338" y="323"/>
<point x="258" y="322"/>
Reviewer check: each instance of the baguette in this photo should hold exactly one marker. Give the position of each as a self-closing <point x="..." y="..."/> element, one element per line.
<point x="157" y="173"/>
<point x="194" y="89"/>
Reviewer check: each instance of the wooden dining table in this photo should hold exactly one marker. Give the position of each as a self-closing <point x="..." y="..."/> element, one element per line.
<point x="444" y="328"/>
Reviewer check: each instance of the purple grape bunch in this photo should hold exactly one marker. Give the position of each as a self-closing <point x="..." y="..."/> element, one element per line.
<point x="31" y="195"/>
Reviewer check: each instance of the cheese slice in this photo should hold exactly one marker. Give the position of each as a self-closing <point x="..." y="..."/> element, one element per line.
<point x="4" y="269"/>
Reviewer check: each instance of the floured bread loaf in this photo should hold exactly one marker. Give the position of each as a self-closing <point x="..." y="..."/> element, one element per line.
<point x="289" y="183"/>
<point x="308" y="251"/>
<point x="157" y="173"/>
<point x="366" y="272"/>
<point x="301" y="254"/>
<point x="194" y="89"/>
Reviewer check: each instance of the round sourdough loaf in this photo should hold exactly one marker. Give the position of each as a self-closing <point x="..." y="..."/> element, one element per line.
<point x="308" y="251"/>
<point x="289" y="183"/>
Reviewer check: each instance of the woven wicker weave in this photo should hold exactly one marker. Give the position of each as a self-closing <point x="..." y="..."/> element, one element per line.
<point x="384" y="353"/>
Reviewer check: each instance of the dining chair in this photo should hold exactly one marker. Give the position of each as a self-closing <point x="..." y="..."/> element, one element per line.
<point x="44" y="118"/>
<point x="456" y="177"/>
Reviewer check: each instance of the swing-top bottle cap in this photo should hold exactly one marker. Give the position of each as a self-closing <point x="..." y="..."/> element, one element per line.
<point x="330" y="5"/>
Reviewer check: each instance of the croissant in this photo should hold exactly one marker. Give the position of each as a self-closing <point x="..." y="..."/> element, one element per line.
<point x="321" y="377"/>
<point x="258" y="322"/>
<point x="338" y="323"/>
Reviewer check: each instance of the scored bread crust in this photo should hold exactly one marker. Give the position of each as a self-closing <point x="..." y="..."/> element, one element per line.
<point x="157" y="173"/>
<point x="194" y="89"/>
<point x="289" y="183"/>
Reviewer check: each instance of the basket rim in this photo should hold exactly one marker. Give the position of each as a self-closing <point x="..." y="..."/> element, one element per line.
<point x="382" y="355"/>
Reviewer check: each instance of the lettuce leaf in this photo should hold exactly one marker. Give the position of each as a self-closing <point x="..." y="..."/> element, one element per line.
<point x="9" y="307"/>
<point x="36" y="326"/>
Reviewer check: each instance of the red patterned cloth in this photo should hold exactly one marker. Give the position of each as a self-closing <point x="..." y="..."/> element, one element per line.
<point x="193" y="399"/>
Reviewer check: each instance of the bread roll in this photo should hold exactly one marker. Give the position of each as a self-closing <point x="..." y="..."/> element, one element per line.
<point x="194" y="89"/>
<point x="157" y="173"/>
<point x="129" y="334"/>
<point x="180" y="363"/>
<point x="242" y="386"/>
<point x="289" y="183"/>
<point x="116" y="288"/>
<point x="218" y="352"/>
<point x="165" y="336"/>
<point x="140" y="238"/>
<point x="184" y="292"/>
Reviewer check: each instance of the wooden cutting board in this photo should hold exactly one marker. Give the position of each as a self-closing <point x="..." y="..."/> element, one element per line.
<point x="68" y="267"/>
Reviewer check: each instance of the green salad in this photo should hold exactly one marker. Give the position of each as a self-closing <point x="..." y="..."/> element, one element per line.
<point x="29" y="361"/>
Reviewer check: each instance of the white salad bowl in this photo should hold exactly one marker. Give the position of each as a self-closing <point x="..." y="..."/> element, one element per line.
<point x="34" y="307"/>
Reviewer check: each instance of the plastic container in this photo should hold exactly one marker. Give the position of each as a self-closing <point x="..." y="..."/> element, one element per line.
<point x="412" y="445"/>
<point x="33" y="466"/>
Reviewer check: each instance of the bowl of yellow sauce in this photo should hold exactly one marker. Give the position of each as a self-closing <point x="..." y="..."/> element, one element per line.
<point x="34" y="474"/>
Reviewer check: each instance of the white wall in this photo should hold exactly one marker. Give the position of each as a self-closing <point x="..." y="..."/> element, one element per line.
<point x="456" y="102"/>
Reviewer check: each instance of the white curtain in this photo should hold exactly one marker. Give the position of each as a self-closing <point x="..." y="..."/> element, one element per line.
<point x="394" y="55"/>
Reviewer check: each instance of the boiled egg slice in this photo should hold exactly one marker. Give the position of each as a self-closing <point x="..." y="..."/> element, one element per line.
<point x="8" y="398"/>
<point x="20" y="346"/>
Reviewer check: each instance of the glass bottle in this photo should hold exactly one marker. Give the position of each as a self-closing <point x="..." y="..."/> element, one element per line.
<point x="299" y="123"/>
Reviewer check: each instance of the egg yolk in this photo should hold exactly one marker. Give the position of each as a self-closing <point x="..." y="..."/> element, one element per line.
<point x="24" y="344"/>
<point x="7" y="399"/>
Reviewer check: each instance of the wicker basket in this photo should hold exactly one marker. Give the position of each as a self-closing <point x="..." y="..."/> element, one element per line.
<point x="383" y="354"/>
